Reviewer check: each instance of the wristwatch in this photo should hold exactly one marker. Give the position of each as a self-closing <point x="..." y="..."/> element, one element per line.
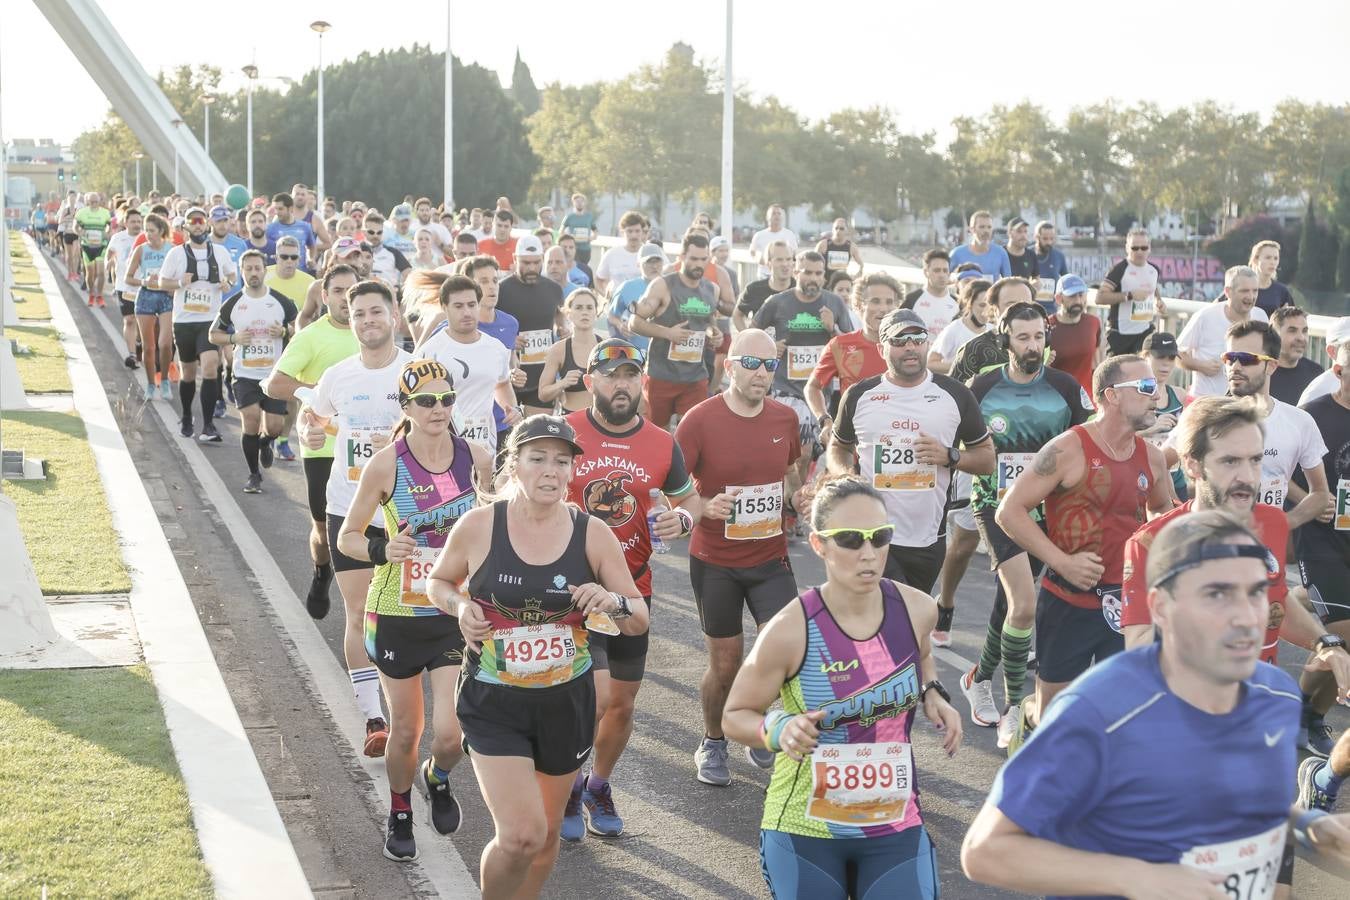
<point x="934" y="685"/>
<point x="1327" y="641"/>
<point x="953" y="457"/>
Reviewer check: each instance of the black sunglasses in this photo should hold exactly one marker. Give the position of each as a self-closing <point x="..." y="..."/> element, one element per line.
<point x="288" y="256"/>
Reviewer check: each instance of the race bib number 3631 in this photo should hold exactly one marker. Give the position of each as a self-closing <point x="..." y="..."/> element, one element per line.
<point x="1249" y="866"/>
<point x="860" y="784"/>
<point x="895" y="465"/>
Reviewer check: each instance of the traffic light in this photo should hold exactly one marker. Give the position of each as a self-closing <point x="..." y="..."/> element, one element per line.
<point x="60" y="174"/>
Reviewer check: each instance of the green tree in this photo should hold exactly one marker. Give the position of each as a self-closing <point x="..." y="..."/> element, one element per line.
<point x="1020" y="143"/>
<point x="1306" y="145"/>
<point x="1090" y="151"/>
<point x="1316" y="254"/>
<point x="523" y="90"/>
<point x="562" y="135"/>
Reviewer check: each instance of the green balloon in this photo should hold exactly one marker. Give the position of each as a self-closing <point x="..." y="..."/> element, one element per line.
<point x="236" y="197"/>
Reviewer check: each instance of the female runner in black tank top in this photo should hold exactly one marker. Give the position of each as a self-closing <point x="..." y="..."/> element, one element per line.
<point x="536" y="570"/>
<point x="565" y="363"/>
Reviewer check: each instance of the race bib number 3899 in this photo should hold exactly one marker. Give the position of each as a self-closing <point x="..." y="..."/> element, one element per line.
<point x="860" y="784"/>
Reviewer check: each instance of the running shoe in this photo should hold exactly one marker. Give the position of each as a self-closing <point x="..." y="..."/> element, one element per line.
<point x="1310" y="796"/>
<point x="165" y="390"/>
<point x="443" y="812"/>
<point x="130" y="362"/>
<point x="285" y="452"/>
<point x="980" y="696"/>
<point x="220" y="409"/>
<point x="173" y="370"/>
<point x="1007" y="724"/>
<point x="254" y="484"/>
<point x="1022" y="728"/>
<point x="711" y="759"/>
<point x="185" y="428"/>
<point x="602" y="819"/>
<point x="1320" y="740"/>
<point x="317" y="601"/>
<point x="760" y="756"/>
<point x="940" y="638"/>
<point x="573" y="826"/>
<point x="399" y="845"/>
<point x="265" y="456"/>
<point x="377" y="735"/>
<point x="101" y="304"/>
<point x="91" y="302"/>
<point x="209" y="435"/>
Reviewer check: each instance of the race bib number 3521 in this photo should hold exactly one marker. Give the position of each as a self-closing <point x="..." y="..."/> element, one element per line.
<point x="860" y="784"/>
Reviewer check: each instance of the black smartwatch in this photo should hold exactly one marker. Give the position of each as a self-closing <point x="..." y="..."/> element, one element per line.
<point x="1327" y="641"/>
<point x="934" y="685"/>
<point x="953" y="457"/>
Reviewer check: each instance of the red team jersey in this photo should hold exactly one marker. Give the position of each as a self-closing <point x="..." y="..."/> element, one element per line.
<point x="1272" y="527"/>
<point x="613" y="479"/>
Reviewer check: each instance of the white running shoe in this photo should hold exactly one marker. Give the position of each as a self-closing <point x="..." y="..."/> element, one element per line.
<point x="980" y="696"/>
<point x="1007" y="724"/>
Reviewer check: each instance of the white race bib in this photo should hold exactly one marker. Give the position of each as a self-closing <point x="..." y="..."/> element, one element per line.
<point x="1046" y="289"/>
<point x="802" y="361"/>
<point x="1142" y="310"/>
<point x="536" y="346"/>
<point x="580" y="233"/>
<point x="93" y="237"/>
<point x="837" y="259"/>
<point x="479" y="429"/>
<point x="1272" y="492"/>
<point x="860" y="784"/>
<point x="259" y="351"/>
<point x="357" y="450"/>
<point x="535" y="655"/>
<point x="895" y="465"/>
<point x="1341" y="521"/>
<point x="1010" y="466"/>
<point x="688" y="350"/>
<point x="1250" y="865"/>
<point x="416" y="568"/>
<point x="756" y="512"/>
<point x="197" y="299"/>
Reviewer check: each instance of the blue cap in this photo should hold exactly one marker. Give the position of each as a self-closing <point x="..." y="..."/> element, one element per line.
<point x="1071" y="284"/>
<point x="220" y="214"/>
<point x="969" y="274"/>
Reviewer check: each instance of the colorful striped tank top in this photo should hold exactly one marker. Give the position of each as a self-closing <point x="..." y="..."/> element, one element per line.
<point x="431" y="502"/>
<point x="859" y="781"/>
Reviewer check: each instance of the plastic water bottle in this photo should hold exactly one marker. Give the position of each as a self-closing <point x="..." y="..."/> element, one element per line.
<point x="654" y="509"/>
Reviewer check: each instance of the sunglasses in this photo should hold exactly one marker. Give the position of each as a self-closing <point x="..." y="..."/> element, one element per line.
<point x="290" y="256"/>
<point x="1139" y="248"/>
<point x="1146" y="386"/>
<point x="752" y="363"/>
<point x="907" y="340"/>
<point x="608" y="354"/>
<point x="428" y="401"/>
<point x="196" y="221"/>
<point x="1243" y="358"/>
<point x="852" y="538"/>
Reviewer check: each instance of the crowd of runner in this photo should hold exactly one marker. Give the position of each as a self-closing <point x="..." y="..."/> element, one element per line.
<point x="497" y="437"/>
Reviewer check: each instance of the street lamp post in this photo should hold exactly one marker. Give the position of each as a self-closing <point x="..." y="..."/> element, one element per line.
<point x="320" y="26"/>
<point x="124" y="179"/>
<point x="207" y="100"/>
<point x="251" y="71"/>
<point x="175" y="123"/>
<point x="138" y="156"/>
<point x="449" y="117"/>
<point x="728" y="113"/>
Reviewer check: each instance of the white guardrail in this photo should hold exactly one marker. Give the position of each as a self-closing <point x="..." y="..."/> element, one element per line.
<point x="1178" y="310"/>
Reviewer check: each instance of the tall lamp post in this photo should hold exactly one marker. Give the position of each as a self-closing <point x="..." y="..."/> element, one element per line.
<point x="138" y="156"/>
<point x="175" y="123"/>
<point x="449" y="173"/>
<point x="251" y="71"/>
<point x="320" y="26"/>
<point x="728" y="132"/>
<point x="207" y="100"/>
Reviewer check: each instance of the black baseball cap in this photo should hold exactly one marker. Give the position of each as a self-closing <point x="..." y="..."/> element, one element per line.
<point x="541" y="427"/>
<point x="1160" y="343"/>
<point x="898" y="321"/>
<point x="608" y="355"/>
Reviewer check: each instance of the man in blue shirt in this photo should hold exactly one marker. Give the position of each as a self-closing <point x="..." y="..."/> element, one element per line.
<point x="652" y="260"/>
<point x="1050" y="263"/>
<point x="233" y="244"/>
<point x="990" y="257"/>
<point x="1166" y="771"/>
<point x="286" y="223"/>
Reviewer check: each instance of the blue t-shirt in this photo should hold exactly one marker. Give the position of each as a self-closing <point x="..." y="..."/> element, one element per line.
<point x="1121" y="765"/>
<point x="504" y="328"/>
<point x="578" y="276"/>
<point x="625" y="298"/>
<point x="235" y="246"/>
<point x="993" y="262"/>
<point x="1052" y="265"/>
<point x="300" y="230"/>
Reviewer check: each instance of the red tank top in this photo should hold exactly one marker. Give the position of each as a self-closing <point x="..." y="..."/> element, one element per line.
<point x="1098" y="515"/>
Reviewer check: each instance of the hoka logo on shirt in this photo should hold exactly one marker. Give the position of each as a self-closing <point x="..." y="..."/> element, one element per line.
<point x="891" y="696"/>
<point x="804" y="321"/>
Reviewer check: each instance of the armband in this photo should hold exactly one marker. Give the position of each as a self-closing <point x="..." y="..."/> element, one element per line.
<point x="1302" y="822"/>
<point x="375" y="547"/>
<point x="771" y="729"/>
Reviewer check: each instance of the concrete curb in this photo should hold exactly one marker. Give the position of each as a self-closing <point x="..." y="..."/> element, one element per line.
<point x="244" y="842"/>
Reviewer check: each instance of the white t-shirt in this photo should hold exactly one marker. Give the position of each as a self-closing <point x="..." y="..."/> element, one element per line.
<point x="476" y="369"/>
<point x="1205" y="337"/>
<point x="619" y="265"/>
<point x="361" y="402"/>
<point x="250" y="318"/>
<point x="953" y="338"/>
<point x="200" y="300"/>
<point x="1136" y="316"/>
<point x="1326" y="383"/>
<point x="937" y="313"/>
<point x="764" y="237"/>
<point x="119" y="252"/>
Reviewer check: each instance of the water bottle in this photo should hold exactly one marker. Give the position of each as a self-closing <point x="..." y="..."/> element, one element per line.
<point x="654" y="509"/>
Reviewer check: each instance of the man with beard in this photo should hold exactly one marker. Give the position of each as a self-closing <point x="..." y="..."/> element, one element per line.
<point x="1076" y="339"/>
<point x="985" y="350"/>
<point x="1025" y="405"/>
<point x="286" y="223"/>
<point x="1295" y="371"/>
<point x="1022" y="262"/>
<point x="1098" y="482"/>
<point x="627" y="463"/>
<point x="676" y="312"/>
<point x="1051" y="265"/>
<point x="256" y="237"/>
<point x="536" y="305"/>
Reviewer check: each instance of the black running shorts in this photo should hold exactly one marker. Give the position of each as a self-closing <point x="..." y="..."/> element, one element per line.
<point x="722" y="593"/>
<point x="553" y="726"/>
<point x="407" y="646"/>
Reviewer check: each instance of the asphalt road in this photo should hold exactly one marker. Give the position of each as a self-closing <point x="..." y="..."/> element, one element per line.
<point x="683" y="839"/>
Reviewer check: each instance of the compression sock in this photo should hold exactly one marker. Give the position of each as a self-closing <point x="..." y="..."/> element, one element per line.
<point x="594" y="782"/>
<point x="210" y="394"/>
<point x="991" y="652"/>
<point x="435" y="774"/>
<point x="250" y="445"/>
<point x="945" y="614"/>
<point x="366" y="684"/>
<point x="186" y="391"/>
<point x="1016" y="645"/>
<point x="400" y="801"/>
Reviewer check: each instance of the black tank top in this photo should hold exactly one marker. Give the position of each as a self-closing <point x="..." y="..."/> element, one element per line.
<point x="570" y="363"/>
<point x="838" y="256"/>
<point x="539" y="638"/>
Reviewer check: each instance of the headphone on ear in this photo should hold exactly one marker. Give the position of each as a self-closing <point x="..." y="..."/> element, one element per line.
<point x="1014" y="312"/>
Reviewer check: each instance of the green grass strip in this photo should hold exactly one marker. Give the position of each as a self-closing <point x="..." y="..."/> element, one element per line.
<point x="43" y="369"/>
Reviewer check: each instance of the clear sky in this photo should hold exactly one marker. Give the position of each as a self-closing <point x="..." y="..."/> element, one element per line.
<point x="926" y="61"/>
